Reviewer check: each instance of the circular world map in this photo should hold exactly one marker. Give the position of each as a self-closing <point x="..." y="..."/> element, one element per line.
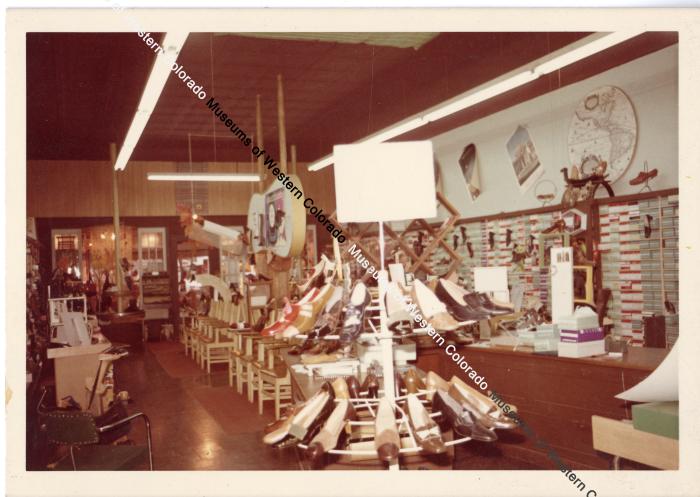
<point x="604" y="125"/>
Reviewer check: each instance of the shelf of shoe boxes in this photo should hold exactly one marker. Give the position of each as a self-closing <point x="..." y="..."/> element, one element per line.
<point x="533" y="279"/>
<point x="632" y="263"/>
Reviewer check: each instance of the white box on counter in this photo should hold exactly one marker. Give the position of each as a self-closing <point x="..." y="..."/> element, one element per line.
<point x="581" y="349"/>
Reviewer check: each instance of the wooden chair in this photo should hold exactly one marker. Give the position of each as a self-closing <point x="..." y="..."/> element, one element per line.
<point x="274" y="381"/>
<point x="215" y="318"/>
<point x="216" y="348"/>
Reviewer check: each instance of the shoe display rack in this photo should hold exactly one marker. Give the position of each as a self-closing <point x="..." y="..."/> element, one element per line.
<point x="360" y="433"/>
<point x="639" y="257"/>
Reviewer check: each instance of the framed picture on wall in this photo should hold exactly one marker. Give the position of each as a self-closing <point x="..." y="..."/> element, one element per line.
<point x="583" y="284"/>
<point x="524" y="159"/>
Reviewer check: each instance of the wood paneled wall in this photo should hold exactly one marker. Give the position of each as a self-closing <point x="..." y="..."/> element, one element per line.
<point x="84" y="188"/>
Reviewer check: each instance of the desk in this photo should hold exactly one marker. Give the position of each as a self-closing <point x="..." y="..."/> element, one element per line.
<point x="72" y="366"/>
<point x="555" y="396"/>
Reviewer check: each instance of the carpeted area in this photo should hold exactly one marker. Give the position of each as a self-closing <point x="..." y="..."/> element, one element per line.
<point x="231" y="411"/>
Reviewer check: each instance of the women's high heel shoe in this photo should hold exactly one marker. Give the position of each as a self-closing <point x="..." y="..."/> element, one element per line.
<point x="386" y="439"/>
<point x="484" y="409"/>
<point x="327" y="439"/>
<point x="460" y="419"/>
<point x="425" y="430"/>
<point x="413" y="382"/>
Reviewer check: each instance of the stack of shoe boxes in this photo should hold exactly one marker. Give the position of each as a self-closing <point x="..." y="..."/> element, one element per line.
<point x="580" y="335"/>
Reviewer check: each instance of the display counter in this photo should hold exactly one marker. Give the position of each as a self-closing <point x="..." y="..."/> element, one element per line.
<point x="123" y="327"/>
<point x="555" y="396"/>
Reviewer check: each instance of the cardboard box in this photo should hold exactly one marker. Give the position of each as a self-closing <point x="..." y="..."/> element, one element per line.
<point x="660" y="418"/>
<point x="581" y="349"/>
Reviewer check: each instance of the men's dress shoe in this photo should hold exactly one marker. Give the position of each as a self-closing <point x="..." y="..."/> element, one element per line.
<point x="327" y="438"/>
<point x="484" y="409"/>
<point x="340" y="388"/>
<point x="460" y="419"/>
<point x="490" y="306"/>
<point x="644" y="176"/>
<point x="328" y="320"/>
<point x="432" y="309"/>
<point x="354" y="387"/>
<point x="476" y="303"/>
<point x="492" y="240"/>
<point x="425" y="430"/>
<point x="315" y="411"/>
<point x="452" y="295"/>
<point x="470" y="249"/>
<point x="354" y="314"/>
<point x="413" y="382"/>
<point x="386" y="435"/>
<point x="371" y="385"/>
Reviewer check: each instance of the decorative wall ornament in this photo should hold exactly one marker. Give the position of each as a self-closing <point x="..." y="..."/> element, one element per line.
<point x="469" y="164"/>
<point x="604" y="125"/>
<point x="523" y="156"/>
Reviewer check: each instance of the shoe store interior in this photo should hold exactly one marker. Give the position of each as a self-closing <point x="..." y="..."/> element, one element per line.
<point x="352" y="251"/>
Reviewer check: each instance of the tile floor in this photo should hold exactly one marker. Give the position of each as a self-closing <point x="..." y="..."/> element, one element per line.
<point x="187" y="437"/>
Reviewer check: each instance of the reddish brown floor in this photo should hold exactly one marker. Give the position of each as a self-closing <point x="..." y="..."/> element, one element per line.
<point x="199" y="423"/>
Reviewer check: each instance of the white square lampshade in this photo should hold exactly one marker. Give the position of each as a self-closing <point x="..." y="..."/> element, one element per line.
<point x="384" y="181"/>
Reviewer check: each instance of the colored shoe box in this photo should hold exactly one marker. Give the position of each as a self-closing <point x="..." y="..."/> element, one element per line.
<point x="660" y="418"/>
<point x="581" y="349"/>
<point x="578" y="336"/>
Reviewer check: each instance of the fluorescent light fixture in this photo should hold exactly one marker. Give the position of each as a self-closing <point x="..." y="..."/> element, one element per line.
<point x="603" y="42"/>
<point x="394" y="131"/>
<point x="172" y="44"/>
<point x="202" y="177"/>
<point x="580" y="50"/>
<point x="480" y="95"/>
<point x="321" y="163"/>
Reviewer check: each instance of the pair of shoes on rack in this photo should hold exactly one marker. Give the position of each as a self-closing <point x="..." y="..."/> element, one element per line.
<point x="433" y="310"/>
<point x="470" y="412"/>
<point x="300" y="317"/>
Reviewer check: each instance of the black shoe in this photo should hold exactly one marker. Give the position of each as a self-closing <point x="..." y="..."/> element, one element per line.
<point x="452" y="296"/>
<point x="647" y="226"/>
<point x="463" y="230"/>
<point x="492" y="240"/>
<point x="490" y="306"/>
<point x="470" y="250"/>
<point x="455" y="241"/>
<point x="354" y="314"/>
<point x="509" y="234"/>
<point x="459" y="419"/>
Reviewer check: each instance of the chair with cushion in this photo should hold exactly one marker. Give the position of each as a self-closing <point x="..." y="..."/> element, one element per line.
<point x="90" y="439"/>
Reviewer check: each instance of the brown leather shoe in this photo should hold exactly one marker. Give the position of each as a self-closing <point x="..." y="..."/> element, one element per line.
<point x="434" y="381"/>
<point x="371" y="385"/>
<point x="644" y="176"/>
<point x="413" y="382"/>
<point x="354" y="387"/>
<point x="327" y="438"/>
<point x="484" y="409"/>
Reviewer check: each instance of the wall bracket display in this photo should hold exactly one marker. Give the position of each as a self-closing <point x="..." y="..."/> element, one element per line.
<point x="604" y="125"/>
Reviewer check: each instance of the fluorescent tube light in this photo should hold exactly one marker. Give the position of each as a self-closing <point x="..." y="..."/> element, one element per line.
<point x="202" y="177"/>
<point x="569" y="57"/>
<point x="172" y="44"/>
<point x="481" y="95"/>
<point x="321" y="163"/>
<point x="584" y="48"/>
<point x="394" y="131"/>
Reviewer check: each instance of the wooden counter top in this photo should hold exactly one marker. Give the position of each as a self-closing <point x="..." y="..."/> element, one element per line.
<point x="639" y="358"/>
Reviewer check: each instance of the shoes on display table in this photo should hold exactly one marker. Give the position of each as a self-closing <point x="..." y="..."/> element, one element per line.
<point x="453" y="296"/>
<point x="461" y="420"/>
<point x="432" y="309"/>
<point x="413" y="382"/>
<point x="329" y="436"/>
<point x="484" y="409"/>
